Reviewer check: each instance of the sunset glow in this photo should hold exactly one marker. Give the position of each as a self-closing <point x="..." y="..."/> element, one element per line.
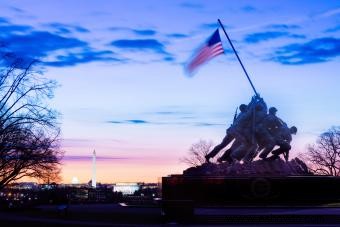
<point x="123" y="90"/>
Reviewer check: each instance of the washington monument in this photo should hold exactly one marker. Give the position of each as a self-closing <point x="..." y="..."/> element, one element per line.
<point x="94" y="183"/>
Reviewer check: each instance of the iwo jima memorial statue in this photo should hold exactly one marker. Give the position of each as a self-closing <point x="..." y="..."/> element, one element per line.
<point x="238" y="178"/>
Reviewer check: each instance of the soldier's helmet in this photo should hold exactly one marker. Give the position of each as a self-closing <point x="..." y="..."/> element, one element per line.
<point x="293" y="130"/>
<point x="243" y="107"/>
<point x="272" y="110"/>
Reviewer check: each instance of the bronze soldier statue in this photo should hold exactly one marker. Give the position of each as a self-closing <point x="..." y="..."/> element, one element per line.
<point x="244" y="131"/>
<point x="283" y="139"/>
<point x="230" y="134"/>
<point x="255" y="115"/>
<point x="253" y="131"/>
<point x="266" y="131"/>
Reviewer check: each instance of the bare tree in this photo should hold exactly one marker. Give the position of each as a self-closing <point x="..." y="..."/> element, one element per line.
<point x="29" y="132"/>
<point x="197" y="153"/>
<point x="324" y="156"/>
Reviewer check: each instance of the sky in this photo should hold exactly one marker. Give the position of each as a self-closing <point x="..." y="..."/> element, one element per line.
<point x="124" y="92"/>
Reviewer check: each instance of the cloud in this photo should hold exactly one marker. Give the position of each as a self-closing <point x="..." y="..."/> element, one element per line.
<point x="334" y="29"/>
<point x="3" y="20"/>
<point x="329" y="13"/>
<point x="249" y="9"/>
<point x="171" y="113"/>
<point x="84" y="57"/>
<point x="67" y="28"/>
<point x="213" y="25"/>
<point x="42" y="44"/>
<point x="175" y="114"/>
<point x="51" y="49"/>
<point x="16" y="9"/>
<point x="140" y="45"/>
<point x="314" y="51"/>
<point x="144" y="45"/>
<point x="8" y="28"/>
<point x="137" y="121"/>
<point x="169" y="59"/>
<point x="39" y="43"/>
<point x="177" y="35"/>
<point x="265" y="36"/>
<point x="283" y="26"/>
<point x="204" y="124"/>
<point x="141" y="32"/>
<point x="145" y="32"/>
<point x="118" y="28"/>
<point x="116" y="122"/>
<point x="185" y="123"/>
<point x="134" y="121"/>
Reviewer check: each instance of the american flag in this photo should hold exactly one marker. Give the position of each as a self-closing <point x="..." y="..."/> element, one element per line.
<point x="210" y="49"/>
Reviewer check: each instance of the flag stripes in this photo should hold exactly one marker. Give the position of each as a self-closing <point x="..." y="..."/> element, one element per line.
<point x="205" y="55"/>
<point x="213" y="47"/>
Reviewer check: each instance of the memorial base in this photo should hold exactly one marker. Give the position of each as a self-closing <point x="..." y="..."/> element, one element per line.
<point x="181" y="193"/>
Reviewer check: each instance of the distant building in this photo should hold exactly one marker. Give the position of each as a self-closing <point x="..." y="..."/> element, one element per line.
<point x="152" y="190"/>
<point x="126" y="188"/>
<point x="149" y="186"/>
<point x="74" y="180"/>
<point x="72" y="185"/>
<point x="23" y="185"/>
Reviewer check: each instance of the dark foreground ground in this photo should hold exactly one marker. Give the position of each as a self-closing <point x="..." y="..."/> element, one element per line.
<point x="117" y="215"/>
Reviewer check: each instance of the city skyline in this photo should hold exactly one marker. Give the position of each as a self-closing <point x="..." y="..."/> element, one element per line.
<point x="123" y="91"/>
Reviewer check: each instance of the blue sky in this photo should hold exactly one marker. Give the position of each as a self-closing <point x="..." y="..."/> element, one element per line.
<point x="123" y="90"/>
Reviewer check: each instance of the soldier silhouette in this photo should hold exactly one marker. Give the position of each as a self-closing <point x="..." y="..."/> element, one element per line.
<point x="244" y="131"/>
<point x="283" y="139"/>
<point x="231" y="133"/>
<point x="266" y="131"/>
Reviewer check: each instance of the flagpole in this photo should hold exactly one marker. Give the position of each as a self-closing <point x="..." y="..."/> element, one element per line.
<point x="238" y="58"/>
